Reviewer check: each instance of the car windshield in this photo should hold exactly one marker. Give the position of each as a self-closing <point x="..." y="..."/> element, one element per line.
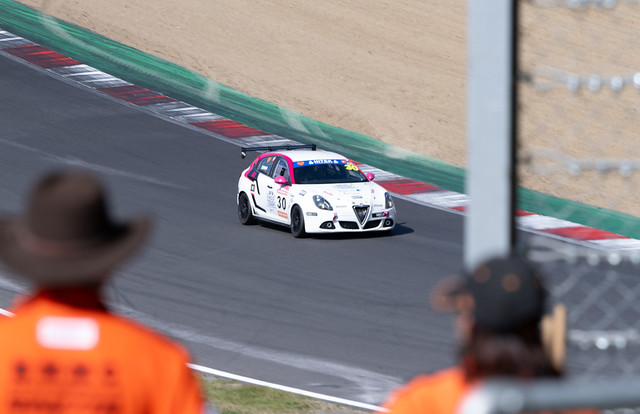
<point x="328" y="171"/>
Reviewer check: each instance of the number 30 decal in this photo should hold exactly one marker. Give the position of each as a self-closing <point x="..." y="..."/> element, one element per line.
<point x="282" y="203"/>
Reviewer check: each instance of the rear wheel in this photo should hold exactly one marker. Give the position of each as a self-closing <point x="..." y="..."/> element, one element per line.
<point x="244" y="210"/>
<point x="297" y="222"/>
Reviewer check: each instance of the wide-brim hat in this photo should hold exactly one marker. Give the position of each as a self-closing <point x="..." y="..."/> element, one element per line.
<point x="502" y="294"/>
<point x="66" y="236"/>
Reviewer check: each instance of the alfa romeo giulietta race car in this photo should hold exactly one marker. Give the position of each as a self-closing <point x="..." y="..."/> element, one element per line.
<point x="312" y="191"/>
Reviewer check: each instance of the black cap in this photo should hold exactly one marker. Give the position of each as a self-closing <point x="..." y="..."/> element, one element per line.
<point x="502" y="294"/>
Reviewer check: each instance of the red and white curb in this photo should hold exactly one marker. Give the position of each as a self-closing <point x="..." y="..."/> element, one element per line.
<point x="243" y="135"/>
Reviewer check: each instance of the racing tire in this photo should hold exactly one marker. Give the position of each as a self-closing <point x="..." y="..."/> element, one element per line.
<point x="244" y="210"/>
<point x="297" y="222"/>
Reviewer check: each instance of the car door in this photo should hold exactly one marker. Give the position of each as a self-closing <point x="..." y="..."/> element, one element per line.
<point x="281" y="197"/>
<point x="271" y="198"/>
<point x="263" y="190"/>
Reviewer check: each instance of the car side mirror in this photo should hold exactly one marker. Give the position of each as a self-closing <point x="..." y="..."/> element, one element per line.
<point x="280" y="180"/>
<point x="370" y="176"/>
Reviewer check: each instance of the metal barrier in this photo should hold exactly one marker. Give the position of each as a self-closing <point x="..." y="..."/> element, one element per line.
<point x="509" y="397"/>
<point x="579" y="84"/>
<point x="579" y="79"/>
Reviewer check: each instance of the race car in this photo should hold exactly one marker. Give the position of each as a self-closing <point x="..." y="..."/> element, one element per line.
<point x="312" y="191"/>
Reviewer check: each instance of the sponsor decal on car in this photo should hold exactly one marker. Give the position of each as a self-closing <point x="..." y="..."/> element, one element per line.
<point x="319" y="162"/>
<point x="271" y="199"/>
<point x="348" y="187"/>
<point x="283" y="214"/>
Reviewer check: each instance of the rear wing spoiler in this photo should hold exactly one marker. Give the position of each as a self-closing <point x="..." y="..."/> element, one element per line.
<point x="243" y="150"/>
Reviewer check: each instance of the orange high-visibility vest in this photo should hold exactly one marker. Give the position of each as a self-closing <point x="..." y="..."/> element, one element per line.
<point x="56" y="358"/>
<point x="439" y="393"/>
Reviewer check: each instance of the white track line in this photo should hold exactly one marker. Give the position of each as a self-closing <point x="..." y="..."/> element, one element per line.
<point x="285" y="388"/>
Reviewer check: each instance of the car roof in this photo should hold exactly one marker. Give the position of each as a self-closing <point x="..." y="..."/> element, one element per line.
<point x="305" y="155"/>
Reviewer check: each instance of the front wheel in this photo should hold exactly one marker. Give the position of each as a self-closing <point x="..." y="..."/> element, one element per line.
<point x="297" y="222"/>
<point x="244" y="210"/>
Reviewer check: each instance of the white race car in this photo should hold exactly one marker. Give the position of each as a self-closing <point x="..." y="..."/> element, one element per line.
<point x="312" y="192"/>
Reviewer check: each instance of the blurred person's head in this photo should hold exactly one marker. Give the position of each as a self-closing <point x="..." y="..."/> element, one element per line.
<point x="500" y="306"/>
<point x="66" y="237"/>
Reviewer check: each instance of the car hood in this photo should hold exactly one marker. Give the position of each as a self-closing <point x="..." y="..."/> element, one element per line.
<point x="348" y="194"/>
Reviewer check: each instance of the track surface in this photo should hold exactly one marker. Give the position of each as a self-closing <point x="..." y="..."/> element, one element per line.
<point x="345" y="316"/>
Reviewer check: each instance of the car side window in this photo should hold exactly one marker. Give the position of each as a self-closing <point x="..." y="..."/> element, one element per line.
<point x="282" y="169"/>
<point x="266" y="164"/>
<point x="253" y="172"/>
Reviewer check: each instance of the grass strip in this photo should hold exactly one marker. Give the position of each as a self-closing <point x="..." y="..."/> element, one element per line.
<point x="234" y="397"/>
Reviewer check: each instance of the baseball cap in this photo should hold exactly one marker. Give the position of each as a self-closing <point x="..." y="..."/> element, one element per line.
<point x="502" y="294"/>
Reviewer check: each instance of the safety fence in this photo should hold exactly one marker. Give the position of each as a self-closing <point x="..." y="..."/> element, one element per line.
<point x="578" y="128"/>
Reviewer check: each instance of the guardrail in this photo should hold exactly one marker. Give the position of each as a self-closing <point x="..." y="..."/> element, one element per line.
<point x="503" y="396"/>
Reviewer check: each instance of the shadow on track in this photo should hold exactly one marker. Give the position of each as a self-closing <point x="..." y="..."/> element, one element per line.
<point x="399" y="230"/>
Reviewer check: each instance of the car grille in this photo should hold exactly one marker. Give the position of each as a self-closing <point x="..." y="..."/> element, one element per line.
<point x="362" y="212"/>
<point x="350" y="225"/>
<point x="372" y="224"/>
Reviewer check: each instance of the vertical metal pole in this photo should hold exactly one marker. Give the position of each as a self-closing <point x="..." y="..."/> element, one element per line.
<point x="489" y="225"/>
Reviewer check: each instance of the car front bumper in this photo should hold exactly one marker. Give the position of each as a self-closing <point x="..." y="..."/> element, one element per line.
<point x="345" y="220"/>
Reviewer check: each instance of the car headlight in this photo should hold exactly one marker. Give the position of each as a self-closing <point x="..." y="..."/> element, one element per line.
<point x="321" y="203"/>
<point x="388" y="201"/>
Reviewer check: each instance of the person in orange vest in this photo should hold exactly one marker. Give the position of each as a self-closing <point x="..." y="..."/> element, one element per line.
<point x="63" y="351"/>
<point x="500" y="309"/>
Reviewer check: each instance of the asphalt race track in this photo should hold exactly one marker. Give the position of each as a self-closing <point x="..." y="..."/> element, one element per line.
<point x="344" y="316"/>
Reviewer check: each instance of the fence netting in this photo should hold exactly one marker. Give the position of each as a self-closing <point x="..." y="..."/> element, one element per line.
<point x="579" y="141"/>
